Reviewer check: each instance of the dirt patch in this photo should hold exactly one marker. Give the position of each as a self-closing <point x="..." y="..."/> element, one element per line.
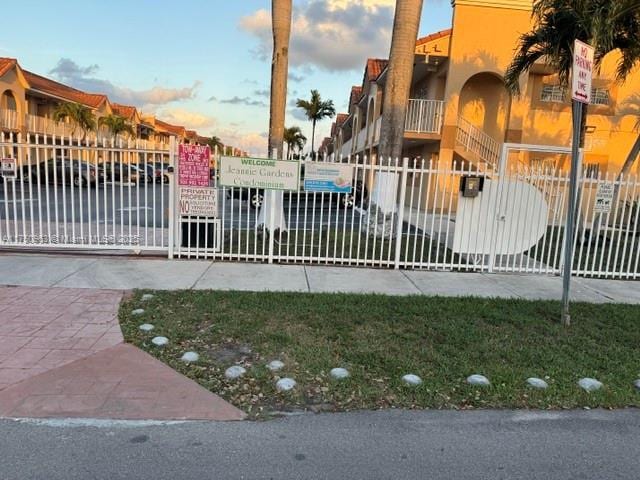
<point x="231" y="352"/>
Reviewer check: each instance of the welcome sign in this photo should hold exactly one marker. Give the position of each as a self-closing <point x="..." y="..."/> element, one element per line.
<point x="260" y="173"/>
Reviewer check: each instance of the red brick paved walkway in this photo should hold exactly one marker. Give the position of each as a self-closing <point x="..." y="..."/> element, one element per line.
<point x="61" y="355"/>
<point x="45" y="328"/>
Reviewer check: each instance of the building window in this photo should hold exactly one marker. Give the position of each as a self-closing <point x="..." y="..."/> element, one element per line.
<point x="599" y="96"/>
<point x="592" y="170"/>
<point x="552" y="93"/>
<point x="557" y="94"/>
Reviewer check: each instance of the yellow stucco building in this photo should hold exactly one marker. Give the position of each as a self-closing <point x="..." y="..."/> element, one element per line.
<point x="460" y="110"/>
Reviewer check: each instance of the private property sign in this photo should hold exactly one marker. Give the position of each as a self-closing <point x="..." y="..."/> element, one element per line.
<point x="199" y="202"/>
<point x="260" y="173"/>
<point x="193" y="165"/>
<point x="583" y="56"/>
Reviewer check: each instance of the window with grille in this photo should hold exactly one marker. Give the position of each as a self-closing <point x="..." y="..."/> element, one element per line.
<point x="599" y="96"/>
<point x="552" y="93"/>
<point x="592" y="170"/>
<point x="557" y="94"/>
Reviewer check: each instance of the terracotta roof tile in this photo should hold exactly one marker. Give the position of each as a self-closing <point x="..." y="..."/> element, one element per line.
<point x="7" y="64"/>
<point x="126" y="111"/>
<point x="434" y="36"/>
<point x="341" y="118"/>
<point x="42" y="84"/>
<point x="356" y="93"/>
<point x="374" y="68"/>
<point x="167" y="127"/>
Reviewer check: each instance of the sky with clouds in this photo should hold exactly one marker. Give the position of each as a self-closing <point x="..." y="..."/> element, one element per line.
<point x="205" y="64"/>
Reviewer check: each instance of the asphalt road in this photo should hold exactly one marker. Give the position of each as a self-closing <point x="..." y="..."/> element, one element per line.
<point x="148" y="204"/>
<point x="589" y="445"/>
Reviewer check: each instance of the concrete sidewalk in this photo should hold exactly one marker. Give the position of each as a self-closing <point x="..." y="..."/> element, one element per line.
<point x="124" y="273"/>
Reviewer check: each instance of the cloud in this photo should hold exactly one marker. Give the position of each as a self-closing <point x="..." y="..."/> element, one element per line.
<point x="262" y="93"/>
<point x="333" y="35"/>
<point x="253" y="142"/>
<point x="249" y="102"/>
<point x="298" y="114"/>
<point x="69" y="72"/>
<point x="295" y="78"/>
<point x="190" y="120"/>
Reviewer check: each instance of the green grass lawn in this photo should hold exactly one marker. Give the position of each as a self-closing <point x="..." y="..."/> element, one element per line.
<point x="343" y="245"/>
<point x="381" y="338"/>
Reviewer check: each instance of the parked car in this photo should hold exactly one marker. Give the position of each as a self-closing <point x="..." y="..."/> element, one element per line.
<point x="116" y="171"/>
<point x="62" y="171"/>
<point x="163" y="169"/>
<point x="147" y="172"/>
<point x="255" y="196"/>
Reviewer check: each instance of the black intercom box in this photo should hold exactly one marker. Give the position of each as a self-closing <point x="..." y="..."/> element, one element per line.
<point x="471" y="186"/>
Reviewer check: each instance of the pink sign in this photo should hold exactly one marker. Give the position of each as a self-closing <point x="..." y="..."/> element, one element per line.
<point x="193" y="165"/>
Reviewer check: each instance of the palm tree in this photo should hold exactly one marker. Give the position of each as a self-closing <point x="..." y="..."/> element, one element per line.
<point x="316" y="110"/>
<point x="281" y="26"/>
<point x="400" y="72"/>
<point x="294" y="139"/>
<point x="117" y="125"/>
<point x="607" y="26"/>
<point x="79" y="115"/>
<point x="215" y="143"/>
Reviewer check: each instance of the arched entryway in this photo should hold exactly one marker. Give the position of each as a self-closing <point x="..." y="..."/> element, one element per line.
<point x="8" y="101"/>
<point x="485" y="102"/>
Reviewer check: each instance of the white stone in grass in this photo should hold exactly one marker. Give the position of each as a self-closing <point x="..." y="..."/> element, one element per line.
<point x="190" y="357"/>
<point x="590" y="384"/>
<point x="137" y="311"/>
<point x="637" y="384"/>
<point x="478" y="381"/>
<point x="234" y="372"/>
<point x="339" y="373"/>
<point x="537" y="383"/>
<point x="275" y="365"/>
<point x="285" y="384"/>
<point x="147" y="296"/>
<point x="412" y="380"/>
<point x="159" y="341"/>
<point x="146" y="327"/>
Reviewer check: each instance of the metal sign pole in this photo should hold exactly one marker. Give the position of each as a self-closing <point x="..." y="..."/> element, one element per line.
<point x="571" y="211"/>
<point x="582" y="77"/>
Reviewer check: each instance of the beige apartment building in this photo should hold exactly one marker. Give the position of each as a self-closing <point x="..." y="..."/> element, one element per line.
<point x="28" y="102"/>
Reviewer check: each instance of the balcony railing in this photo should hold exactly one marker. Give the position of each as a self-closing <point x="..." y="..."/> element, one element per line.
<point x="346" y="148"/>
<point x="47" y="126"/>
<point x="362" y="139"/>
<point x="424" y="116"/>
<point x="34" y="124"/>
<point x="9" y="120"/>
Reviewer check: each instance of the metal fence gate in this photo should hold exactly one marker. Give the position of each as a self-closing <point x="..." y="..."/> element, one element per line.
<point x="75" y="193"/>
<point x="93" y="194"/>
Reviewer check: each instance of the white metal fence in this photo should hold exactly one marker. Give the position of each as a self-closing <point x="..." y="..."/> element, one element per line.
<point x="402" y="214"/>
<point x="74" y="193"/>
<point x="422" y="221"/>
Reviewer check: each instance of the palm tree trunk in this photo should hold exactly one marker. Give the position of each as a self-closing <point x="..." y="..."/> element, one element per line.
<point x="281" y="24"/>
<point x="313" y="136"/>
<point x="400" y="73"/>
